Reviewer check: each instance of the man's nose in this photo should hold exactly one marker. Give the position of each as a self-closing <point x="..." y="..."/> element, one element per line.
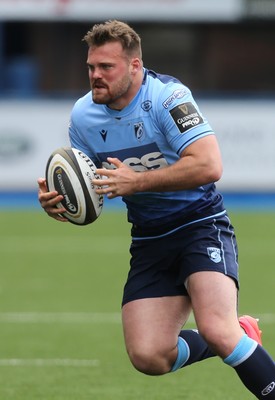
<point x="96" y="73"/>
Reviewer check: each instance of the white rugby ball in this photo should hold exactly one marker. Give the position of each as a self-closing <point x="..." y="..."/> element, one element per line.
<point x="70" y="172"/>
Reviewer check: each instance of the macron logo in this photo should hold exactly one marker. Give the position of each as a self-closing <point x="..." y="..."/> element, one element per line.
<point x="268" y="389"/>
<point x="103" y="134"/>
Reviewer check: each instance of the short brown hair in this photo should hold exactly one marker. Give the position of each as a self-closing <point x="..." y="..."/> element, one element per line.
<point x="115" y="31"/>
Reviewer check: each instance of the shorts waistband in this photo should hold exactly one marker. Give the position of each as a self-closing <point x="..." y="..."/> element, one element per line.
<point x="147" y="233"/>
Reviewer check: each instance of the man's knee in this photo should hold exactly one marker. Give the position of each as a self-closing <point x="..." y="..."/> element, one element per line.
<point x="151" y="361"/>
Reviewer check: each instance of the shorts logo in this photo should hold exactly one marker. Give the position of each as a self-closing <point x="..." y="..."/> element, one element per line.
<point x="268" y="389"/>
<point x="186" y="116"/>
<point x="214" y="254"/>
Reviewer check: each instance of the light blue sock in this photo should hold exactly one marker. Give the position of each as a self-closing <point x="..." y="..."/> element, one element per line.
<point x="245" y="347"/>
<point x="183" y="354"/>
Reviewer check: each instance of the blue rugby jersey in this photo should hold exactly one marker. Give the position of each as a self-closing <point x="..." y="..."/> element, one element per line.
<point x="150" y="133"/>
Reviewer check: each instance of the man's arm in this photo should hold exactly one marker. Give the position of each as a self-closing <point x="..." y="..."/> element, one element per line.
<point x="200" y="163"/>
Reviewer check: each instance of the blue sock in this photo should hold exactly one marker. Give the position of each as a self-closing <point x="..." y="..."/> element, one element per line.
<point x="183" y="354"/>
<point x="191" y="348"/>
<point x="199" y="349"/>
<point x="255" y="368"/>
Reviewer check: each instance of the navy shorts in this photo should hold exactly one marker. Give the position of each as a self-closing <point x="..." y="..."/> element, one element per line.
<point x="160" y="266"/>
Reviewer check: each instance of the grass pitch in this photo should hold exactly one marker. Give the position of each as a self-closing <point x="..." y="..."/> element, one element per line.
<point x="60" y="329"/>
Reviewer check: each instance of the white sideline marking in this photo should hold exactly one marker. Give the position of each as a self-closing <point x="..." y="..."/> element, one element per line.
<point x="42" y="362"/>
<point x="66" y="317"/>
<point x="86" y="317"/>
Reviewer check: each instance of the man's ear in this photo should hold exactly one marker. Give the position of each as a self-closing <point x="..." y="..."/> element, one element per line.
<point x="136" y="65"/>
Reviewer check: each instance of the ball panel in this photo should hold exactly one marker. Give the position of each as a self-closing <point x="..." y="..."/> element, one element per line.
<point x="70" y="172"/>
<point x="61" y="175"/>
<point x="88" y="169"/>
<point x="63" y="179"/>
<point x="87" y="212"/>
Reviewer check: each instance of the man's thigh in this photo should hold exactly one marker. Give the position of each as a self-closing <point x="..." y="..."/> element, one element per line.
<point x="154" y="323"/>
<point x="214" y="299"/>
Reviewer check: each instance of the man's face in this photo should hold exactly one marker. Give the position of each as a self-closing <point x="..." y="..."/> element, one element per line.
<point x="110" y="74"/>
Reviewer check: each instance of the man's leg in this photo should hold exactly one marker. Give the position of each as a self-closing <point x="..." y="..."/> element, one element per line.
<point x="151" y="328"/>
<point x="199" y="349"/>
<point x="154" y="339"/>
<point x="214" y="301"/>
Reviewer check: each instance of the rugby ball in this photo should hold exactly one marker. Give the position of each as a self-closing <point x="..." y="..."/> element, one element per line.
<point x="70" y="172"/>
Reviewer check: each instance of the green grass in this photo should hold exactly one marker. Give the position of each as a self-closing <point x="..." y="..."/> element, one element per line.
<point x="60" y="294"/>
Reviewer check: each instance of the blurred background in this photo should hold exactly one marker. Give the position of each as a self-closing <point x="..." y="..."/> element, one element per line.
<point x="224" y="51"/>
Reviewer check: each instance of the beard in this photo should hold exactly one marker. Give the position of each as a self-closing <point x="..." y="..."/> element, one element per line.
<point x="104" y="93"/>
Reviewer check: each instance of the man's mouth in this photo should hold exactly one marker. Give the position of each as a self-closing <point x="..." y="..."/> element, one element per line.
<point x="99" y="85"/>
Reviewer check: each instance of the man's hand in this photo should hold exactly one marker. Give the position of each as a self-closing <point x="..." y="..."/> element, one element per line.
<point x="122" y="181"/>
<point x="199" y="164"/>
<point x="48" y="201"/>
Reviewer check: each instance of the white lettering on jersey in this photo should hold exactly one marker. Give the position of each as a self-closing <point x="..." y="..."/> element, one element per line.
<point x="146" y="162"/>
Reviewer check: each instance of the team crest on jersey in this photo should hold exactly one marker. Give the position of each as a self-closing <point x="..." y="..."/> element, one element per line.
<point x="139" y="130"/>
<point x="214" y="254"/>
